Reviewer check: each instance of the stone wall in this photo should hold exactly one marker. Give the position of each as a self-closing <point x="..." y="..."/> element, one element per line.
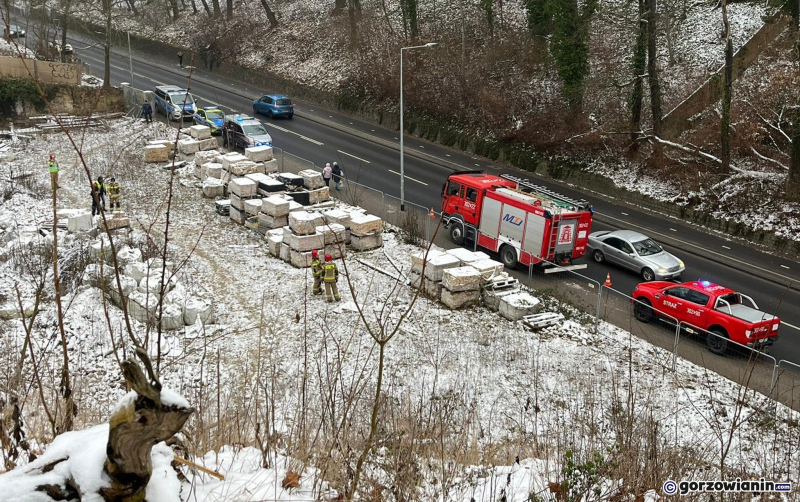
<point x="46" y="72"/>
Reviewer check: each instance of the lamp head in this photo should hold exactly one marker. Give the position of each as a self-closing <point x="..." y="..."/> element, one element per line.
<point x="431" y="44"/>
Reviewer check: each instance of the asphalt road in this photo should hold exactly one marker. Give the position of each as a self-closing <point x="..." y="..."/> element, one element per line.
<point x="370" y="154"/>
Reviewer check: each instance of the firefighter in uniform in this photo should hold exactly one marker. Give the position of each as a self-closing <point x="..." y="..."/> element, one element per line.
<point x="98" y="195"/>
<point x="53" y="165"/>
<point x="114" y="194"/>
<point x="330" y="274"/>
<point x="316" y="272"/>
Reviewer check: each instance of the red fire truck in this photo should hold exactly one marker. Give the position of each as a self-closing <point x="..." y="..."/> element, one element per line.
<point x="522" y="222"/>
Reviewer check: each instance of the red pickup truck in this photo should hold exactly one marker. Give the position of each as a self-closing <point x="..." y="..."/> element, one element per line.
<point x="716" y="309"/>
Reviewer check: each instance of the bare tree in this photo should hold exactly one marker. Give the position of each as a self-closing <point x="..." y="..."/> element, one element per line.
<point x="273" y="21"/>
<point x="652" y="68"/>
<point x="639" y="64"/>
<point x="725" y="121"/>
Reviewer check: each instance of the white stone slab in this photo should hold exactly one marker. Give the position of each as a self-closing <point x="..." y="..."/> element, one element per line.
<point x="418" y="258"/>
<point x="81" y="222"/>
<point x="213" y="188"/>
<point x="213" y="170"/>
<point x="334" y="233"/>
<point x="285" y="252"/>
<point x="303" y="243"/>
<point x="337" y="216"/>
<point x="366" y="242"/>
<point x="232" y="158"/>
<point x="460" y="299"/>
<point x="252" y="206"/>
<point x="363" y="224"/>
<point x="488" y="268"/>
<point x="200" y="132"/>
<point x="303" y="222"/>
<point x="243" y="187"/>
<point x="156" y="153"/>
<point x="209" y="144"/>
<point x="259" y="153"/>
<point x="517" y="305"/>
<point x="312" y="179"/>
<point x="300" y="259"/>
<point x="275" y="206"/>
<point x="319" y="195"/>
<point x="461" y="279"/>
<point x="274" y="244"/>
<point x="245" y="167"/>
<point x="188" y="146"/>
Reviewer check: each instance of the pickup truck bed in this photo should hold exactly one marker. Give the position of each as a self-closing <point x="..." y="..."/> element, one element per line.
<point x="745" y="313"/>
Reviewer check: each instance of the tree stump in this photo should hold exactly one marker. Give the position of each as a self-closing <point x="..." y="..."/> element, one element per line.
<point x="134" y="428"/>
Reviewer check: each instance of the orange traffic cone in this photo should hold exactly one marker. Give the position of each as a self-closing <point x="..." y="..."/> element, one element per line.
<point x="608" y="280"/>
<point x="432" y="214"/>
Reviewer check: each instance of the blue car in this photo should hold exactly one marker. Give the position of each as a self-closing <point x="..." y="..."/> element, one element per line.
<point x="274" y="105"/>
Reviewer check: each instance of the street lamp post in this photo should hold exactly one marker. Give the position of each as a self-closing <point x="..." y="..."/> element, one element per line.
<point x="402" y="169"/>
<point x="130" y="57"/>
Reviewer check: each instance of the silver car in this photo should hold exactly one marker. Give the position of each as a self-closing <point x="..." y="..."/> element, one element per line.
<point x="636" y="252"/>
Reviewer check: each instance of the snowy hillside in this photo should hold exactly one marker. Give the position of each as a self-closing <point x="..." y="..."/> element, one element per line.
<point x="473" y="406"/>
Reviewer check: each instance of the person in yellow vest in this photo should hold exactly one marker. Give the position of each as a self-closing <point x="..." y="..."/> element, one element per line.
<point x="98" y="195"/>
<point x="53" y="165"/>
<point x="330" y="274"/>
<point x="316" y="272"/>
<point x="114" y="190"/>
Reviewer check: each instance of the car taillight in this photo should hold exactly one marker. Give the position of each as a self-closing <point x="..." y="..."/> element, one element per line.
<point x="291" y="106"/>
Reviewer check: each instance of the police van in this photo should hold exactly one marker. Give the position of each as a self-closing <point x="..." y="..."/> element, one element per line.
<point x="243" y="131"/>
<point x="174" y="102"/>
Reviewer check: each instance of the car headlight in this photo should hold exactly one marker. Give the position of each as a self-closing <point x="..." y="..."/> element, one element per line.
<point x="680" y="264"/>
<point x="662" y="270"/>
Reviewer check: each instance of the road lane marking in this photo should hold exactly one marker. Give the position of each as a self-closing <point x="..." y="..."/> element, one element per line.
<point x="420" y="146"/>
<point x="624" y="214"/>
<point x="686" y="243"/>
<point x="784" y="266"/>
<point x="478" y="165"/>
<point x="726" y="247"/>
<point x="351" y="155"/>
<point x="790" y="325"/>
<point x="673" y="229"/>
<point x="447" y="155"/>
<point x="409" y="178"/>
<point x="296" y="134"/>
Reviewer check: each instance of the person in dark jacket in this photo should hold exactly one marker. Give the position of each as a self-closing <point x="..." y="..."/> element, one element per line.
<point x="147" y="112"/>
<point x="337" y="174"/>
<point x="98" y="196"/>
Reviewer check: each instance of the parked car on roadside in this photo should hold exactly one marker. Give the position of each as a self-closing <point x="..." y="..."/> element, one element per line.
<point x="636" y="252"/>
<point x="243" y="131"/>
<point x="174" y="102"/>
<point x="211" y="116"/>
<point x="716" y="312"/>
<point x="274" y="105"/>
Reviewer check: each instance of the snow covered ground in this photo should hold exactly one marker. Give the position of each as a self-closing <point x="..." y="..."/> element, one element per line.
<point x="485" y="390"/>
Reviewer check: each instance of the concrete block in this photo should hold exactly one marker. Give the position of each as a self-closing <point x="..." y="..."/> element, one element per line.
<point x="517" y="305"/>
<point x="80" y="222"/>
<point x="335" y="251"/>
<point x="488" y="268"/>
<point x="271" y="166"/>
<point x="312" y="179"/>
<point x="118" y="221"/>
<point x="461" y="279"/>
<point x="363" y="224"/>
<point x="243" y="187"/>
<point x="252" y="206"/>
<point x="465" y="256"/>
<point x="269" y="186"/>
<point x="200" y="132"/>
<point x="199" y="172"/>
<point x="437" y="264"/>
<point x="275" y="206"/>
<point x="366" y="242"/>
<point x="319" y="195"/>
<point x="285" y="252"/>
<point x="237" y="202"/>
<point x="303" y="242"/>
<point x="188" y="146"/>
<point x="156" y="153"/>
<point x="337" y="216"/>
<point x="303" y="222"/>
<point x="334" y="233"/>
<point x="300" y="259"/>
<point x="266" y="221"/>
<point x="237" y="215"/>
<point x="209" y="144"/>
<point x="213" y="188"/>
<point x="259" y="153"/>
<point x="418" y="259"/>
<point x="231" y="158"/>
<point x="201" y="158"/>
<point x="243" y="167"/>
<point x="213" y="170"/>
<point x="274" y="245"/>
<point x="295" y="206"/>
<point x="195" y="309"/>
<point x="291" y="179"/>
<point x="460" y="299"/>
<point x="170" y="144"/>
<point x="430" y="289"/>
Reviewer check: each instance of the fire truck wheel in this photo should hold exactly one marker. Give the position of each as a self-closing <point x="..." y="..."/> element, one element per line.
<point x="598" y="256"/>
<point x="717" y="344"/>
<point x="457" y="233"/>
<point x="642" y="310"/>
<point x="508" y="256"/>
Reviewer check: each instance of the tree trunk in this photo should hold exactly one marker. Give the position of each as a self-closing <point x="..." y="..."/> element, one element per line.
<point x="132" y="5"/>
<point x="229" y="10"/>
<point x="652" y="70"/>
<point x="540" y="24"/>
<point x="409" y="10"/>
<point x="205" y="6"/>
<point x="217" y="11"/>
<point x="793" y="177"/>
<point x="488" y="10"/>
<point x="173" y="5"/>
<point x="194" y="7"/>
<point x="133" y="430"/>
<point x="726" y="93"/>
<point x="107" y="48"/>
<point x="351" y="14"/>
<point x="64" y="27"/>
<point x="273" y="21"/>
<point x="639" y="64"/>
<point x="339" y="6"/>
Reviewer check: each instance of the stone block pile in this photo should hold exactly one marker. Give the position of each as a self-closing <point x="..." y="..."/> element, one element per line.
<point x="243" y="194"/>
<point x="141" y="289"/>
<point x="366" y="232"/>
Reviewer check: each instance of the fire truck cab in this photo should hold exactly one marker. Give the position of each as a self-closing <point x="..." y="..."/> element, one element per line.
<point x="522" y="222"/>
